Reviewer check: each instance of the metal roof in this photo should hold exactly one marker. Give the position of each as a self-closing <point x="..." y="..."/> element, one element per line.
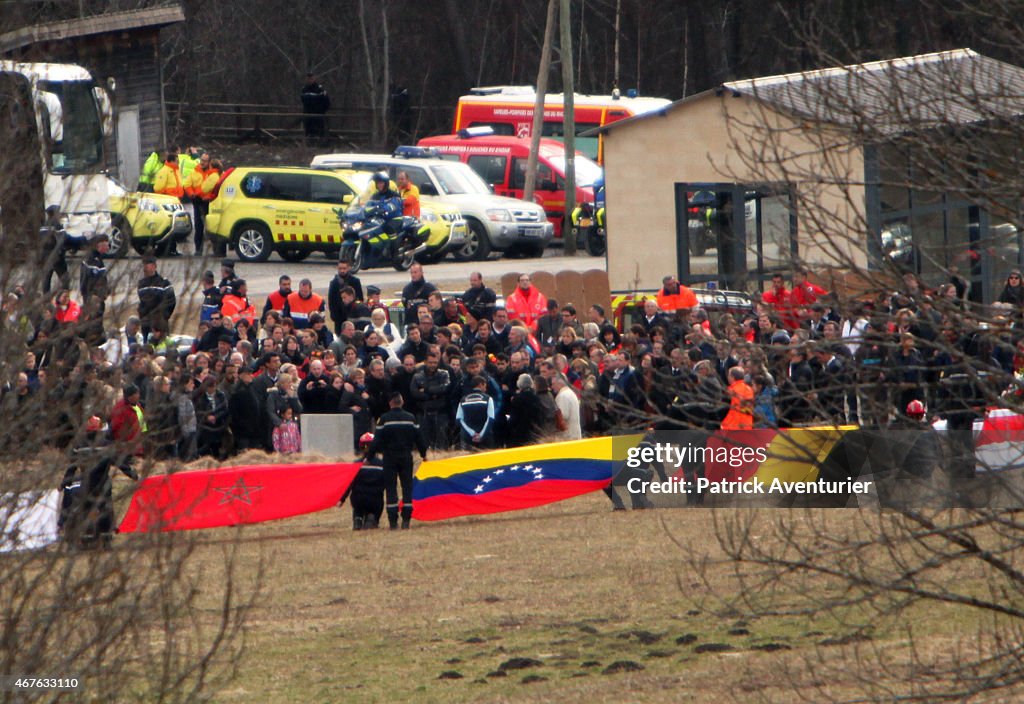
<point x="957" y="87"/>
<point x="99" y="24"/>
<point x="927" y="91"/>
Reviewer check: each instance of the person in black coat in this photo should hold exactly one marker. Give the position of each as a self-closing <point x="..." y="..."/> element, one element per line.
<point x="211" y="406"/>
<point x="416" y="291"/>
<point x="246" y="413"/>
<point x="526" y="414"/>
<point x="368" y="487"/>
<point x="396" y="437"/>
<point x="344" y="278"/>
<point x="315" y="391"/>
<point x="315" y="102"/>
<point x="479" y="300"/>
<point x="156" y="297"/>
<point x="1013" y="291"/>
<point x="796" y="385"/>
<point x="87" y="504"/>
<point x="355" y="399"/>
<point x="378" y="385"/>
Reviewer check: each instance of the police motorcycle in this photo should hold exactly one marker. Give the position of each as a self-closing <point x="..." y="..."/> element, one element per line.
<point x="588" y="223"/>
<point x="376" y="233"/>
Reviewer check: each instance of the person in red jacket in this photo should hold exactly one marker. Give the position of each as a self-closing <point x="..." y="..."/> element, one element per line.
<point x="526" y="303"/>
<point x="805" y="293"/>
<point x="65" y="310"/>
<point x="781" y="299"/>
<point x="126" y="421"/>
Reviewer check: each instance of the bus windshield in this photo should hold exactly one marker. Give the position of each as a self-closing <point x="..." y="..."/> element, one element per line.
<point x="587" y="172"/>
<point x="458" y="179"/>
<point x="72" y="119"/>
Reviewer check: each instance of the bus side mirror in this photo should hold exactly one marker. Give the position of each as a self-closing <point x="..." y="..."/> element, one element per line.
<point x="106" y="110"/>
<point x="427" y="189"/>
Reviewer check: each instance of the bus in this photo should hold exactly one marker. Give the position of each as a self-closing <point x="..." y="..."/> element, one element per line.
<point x="53" y="120"/>
<point x="508" y="110"/>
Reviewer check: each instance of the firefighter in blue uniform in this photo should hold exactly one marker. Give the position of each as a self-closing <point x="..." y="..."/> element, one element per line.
<point x="396" y="437"/>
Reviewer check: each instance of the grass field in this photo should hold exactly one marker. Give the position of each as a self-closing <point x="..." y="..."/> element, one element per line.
<point x="569" y="602"/>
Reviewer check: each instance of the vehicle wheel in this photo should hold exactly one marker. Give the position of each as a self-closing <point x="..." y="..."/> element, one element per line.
<point x="254" y="243"/>
<point x="477" y="245"/>
<point x="120" y="237"/>
<point x="698" y="243"/>
<point x="294" y="255"/>
<point x="402" y="263"/>
<point x="354" y="257"/>
<point x="596" y="244"/>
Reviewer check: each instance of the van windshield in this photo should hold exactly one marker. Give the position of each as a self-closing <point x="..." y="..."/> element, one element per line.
<point x="457" y="179"/>
<point x="587" y="172"/>
<point x="73" y="121"/>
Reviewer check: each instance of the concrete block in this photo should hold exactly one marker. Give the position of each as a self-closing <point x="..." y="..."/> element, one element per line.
<point x="327" y="434"/>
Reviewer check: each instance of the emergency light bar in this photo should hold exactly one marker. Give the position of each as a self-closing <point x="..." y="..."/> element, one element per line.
<point x="478" y="131"/>
<point x="409" y="152"/>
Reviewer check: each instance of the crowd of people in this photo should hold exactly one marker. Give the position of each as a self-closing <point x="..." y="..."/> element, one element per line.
<point x="479" y="375"/>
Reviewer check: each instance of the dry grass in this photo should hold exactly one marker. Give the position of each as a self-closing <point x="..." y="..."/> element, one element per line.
<point x="380" y="616"/>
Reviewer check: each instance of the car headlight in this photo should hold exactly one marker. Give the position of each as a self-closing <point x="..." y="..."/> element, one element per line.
<point x="149" y="206"/>
<point x="428" y="217"/>
<point x="499" y="215"/>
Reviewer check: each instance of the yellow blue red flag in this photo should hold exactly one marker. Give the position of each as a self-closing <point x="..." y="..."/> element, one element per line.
<point x="509" y="480"/>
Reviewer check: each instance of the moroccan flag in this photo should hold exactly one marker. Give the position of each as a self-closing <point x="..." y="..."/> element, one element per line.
<point x="509" y="480"/>
<point x="232" y="495"/>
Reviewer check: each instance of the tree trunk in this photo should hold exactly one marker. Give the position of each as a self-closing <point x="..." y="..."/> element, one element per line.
<point x="569" y="128"/>
<point x="538" y="106"/>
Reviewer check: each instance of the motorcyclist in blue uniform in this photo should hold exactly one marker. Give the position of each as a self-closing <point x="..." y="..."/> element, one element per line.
<point x="386" y="202"/>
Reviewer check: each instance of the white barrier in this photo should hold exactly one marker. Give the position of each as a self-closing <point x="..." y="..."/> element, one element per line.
<point x="328" y="434"/>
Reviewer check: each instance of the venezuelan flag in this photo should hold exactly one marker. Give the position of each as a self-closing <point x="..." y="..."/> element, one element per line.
<point x="510" y="480"/>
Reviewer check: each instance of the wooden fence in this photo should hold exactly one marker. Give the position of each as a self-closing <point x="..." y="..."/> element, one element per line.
<point x="265" y="123"/>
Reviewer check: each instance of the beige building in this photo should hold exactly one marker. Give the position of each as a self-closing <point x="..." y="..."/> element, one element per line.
<point x="844" y="169"/>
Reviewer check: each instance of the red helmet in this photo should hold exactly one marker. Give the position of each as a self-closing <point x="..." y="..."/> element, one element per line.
<point x="915" y="409"/>
<point x="365" y="439"/>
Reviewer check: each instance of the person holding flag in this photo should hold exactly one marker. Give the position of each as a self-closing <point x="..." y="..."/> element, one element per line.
<point x="367" y="489"/>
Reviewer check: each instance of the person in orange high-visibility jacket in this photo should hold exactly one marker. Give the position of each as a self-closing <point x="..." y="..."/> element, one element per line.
<point x="303" y="304"/>
<point x="199" y="186"/>
<point x="168" y="182"/>
<point x="741" y="401"/>
<point x="526" y="303"/>
<point x="674" y="296"/>
<point x="410" y="195"/>
<point x="168" y="179"/>
<point x="236" y="305"/>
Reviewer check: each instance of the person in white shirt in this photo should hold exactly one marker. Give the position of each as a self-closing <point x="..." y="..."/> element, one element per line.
<point x="569" y="404"/>
<point x="390" y="335"/>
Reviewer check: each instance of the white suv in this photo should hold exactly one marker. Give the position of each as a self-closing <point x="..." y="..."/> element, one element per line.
<point x="495" y="223"/>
